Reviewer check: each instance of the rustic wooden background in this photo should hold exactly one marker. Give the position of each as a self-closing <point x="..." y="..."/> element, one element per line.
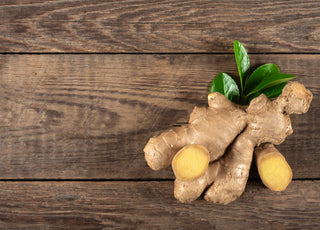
<point x="84" y="84"/>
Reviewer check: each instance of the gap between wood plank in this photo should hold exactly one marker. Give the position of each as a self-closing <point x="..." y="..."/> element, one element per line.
<point x="118" y="180"/>
<point x="153" y="53"/>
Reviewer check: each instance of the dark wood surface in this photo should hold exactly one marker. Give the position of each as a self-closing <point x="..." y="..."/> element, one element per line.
<point x="150" y="205"/>
<point x="89" y="116"/>
<point x="159" y="26"/>
<point x="85" y="84"/>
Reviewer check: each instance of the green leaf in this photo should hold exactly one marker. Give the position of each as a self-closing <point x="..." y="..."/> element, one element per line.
<point x="242" y="60"/>
<point x="225" y="85"/>
<point x="258" y="75"/>
<point x="274" y="91"/>
<point x="273" y="80"/>
<point x="271" y="92"/>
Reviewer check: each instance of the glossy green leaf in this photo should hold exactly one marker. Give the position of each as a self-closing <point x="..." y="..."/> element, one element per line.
<point x="225" y="85"/>
<point x="258" y="75"/>
<point x="271" y="92"/>
<point x="243" y="62"/>
<point x="274" y="91"/>
<point x="273" y="80"/>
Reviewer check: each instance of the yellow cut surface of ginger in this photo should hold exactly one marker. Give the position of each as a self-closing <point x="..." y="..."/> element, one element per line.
<point x="190" y="162"/>
<point x="274" y="171"/>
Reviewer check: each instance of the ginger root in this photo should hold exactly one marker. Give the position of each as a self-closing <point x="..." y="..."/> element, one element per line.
<point x="230" y="133"/>
<point x="204" y="128"/>
<point x="187" y="191"/>
<point x="274" y="171"/>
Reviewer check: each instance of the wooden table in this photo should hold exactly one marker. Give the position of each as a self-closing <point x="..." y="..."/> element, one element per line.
<point x="85" y="84"/>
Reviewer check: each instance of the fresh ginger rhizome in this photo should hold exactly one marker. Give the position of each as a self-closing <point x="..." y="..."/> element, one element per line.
<point x="211" y="130"/>
<point x="214" y="151"/>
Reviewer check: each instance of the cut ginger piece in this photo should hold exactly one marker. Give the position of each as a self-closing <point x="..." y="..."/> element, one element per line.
<point x="273" y="168"/>
<point x="190" y="162"/>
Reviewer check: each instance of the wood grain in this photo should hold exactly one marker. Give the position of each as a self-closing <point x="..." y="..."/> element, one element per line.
<point x="159" y="26"/>
<point x="89" y="116"/>
<point x="151" y="205"/>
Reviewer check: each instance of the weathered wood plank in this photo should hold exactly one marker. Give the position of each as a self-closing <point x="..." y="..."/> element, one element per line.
<point x="151" y="205"/>
<point x="159" y="26"/>
<point x="89" y="116"/>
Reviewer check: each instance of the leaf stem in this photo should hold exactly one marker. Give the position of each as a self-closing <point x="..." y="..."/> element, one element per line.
<point x="242" y="100"/>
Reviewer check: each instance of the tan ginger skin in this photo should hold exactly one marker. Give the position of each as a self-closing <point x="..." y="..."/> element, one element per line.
<point x="214" y="128"/>
<point x="217" y="127"/>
